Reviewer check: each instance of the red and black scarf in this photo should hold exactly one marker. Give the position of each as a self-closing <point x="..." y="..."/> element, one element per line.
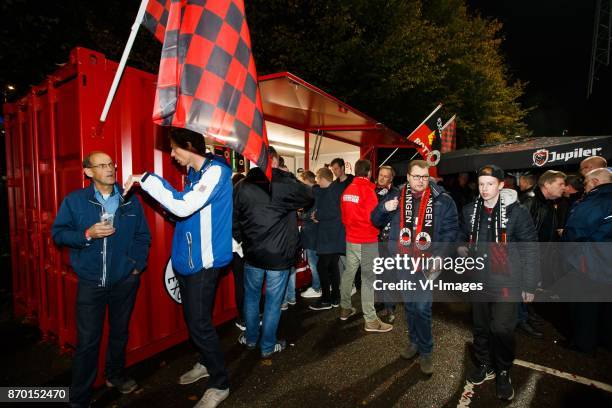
<point x="498" y="242"/>
<point x="421" y="234"/>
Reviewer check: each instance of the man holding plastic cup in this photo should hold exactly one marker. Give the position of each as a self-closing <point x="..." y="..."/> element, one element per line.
<point x="109" y="239"/>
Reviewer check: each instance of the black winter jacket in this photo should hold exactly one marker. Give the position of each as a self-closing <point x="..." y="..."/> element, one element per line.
<point x="544" y="215"/>
<point x="331" y="238"/>
<point x="265" y="219"/>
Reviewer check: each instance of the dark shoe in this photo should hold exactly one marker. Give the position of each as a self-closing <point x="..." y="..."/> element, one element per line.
<point x="240" y="324"/>
<point x="409" y="352"/>
<point x="426" y="364"/>
<point x="529" y="330"/>
<point x="124" y="385"/>
<point x="320" y="305"/>
<point x="278" y="347"/>
<point x="335" y="303"/>
<point x="480" y="374"/>
<point x="243" y="340"/>
<point x="503" y="386"/>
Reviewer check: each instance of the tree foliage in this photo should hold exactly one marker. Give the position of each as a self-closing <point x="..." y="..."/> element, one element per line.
<point x="392" y="59"/>
<point x="395" y="60"/>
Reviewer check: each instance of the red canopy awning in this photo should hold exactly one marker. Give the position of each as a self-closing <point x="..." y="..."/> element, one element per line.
<point x="291" y="101"/>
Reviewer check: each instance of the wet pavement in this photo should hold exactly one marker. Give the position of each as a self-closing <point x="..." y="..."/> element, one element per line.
<point x="330" y="363"/>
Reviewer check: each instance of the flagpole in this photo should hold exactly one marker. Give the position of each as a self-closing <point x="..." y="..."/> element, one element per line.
<point x="392" y="153"/>
<point x="124" y="57"/>
<point x="426" y="119"/>
<point x="449" y="121"/>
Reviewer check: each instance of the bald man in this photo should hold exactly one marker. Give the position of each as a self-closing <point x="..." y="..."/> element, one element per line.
<point x="109" y="239"/>
<point x="590" y="224"/>
<point x="597" y="177"/>
<point x="592" y="163"/>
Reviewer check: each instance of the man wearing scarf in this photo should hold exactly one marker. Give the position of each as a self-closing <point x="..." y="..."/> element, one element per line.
<point x="510" y="274"/>
<point x="423" y="221"/>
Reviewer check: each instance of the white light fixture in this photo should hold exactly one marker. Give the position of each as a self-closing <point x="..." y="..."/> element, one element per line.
<point x="289" y="149"/>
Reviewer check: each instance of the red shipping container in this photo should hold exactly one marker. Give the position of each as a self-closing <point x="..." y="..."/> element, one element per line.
<point x="48" y="133"/>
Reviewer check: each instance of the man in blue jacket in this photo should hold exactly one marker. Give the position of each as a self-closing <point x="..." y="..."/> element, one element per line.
<point x="589" y="227"/>
<point x="109" y="242"/>
<point x="423" y="219"/>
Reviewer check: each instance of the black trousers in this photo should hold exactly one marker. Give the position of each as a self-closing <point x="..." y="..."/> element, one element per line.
<point x="494" y="324"/>
<point x="327" y="266"/>
<point x="198" y="298"/>
<point x="91" y="304"/>
<point x="238" y="271"/>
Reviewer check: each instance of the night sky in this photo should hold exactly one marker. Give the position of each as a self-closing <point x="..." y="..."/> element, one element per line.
<point x="548" y="44"/>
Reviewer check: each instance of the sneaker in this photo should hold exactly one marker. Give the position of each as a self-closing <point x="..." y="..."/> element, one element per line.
<point x="278" y="347"/>
<point x="503" y="386"/>
<point x="124" y="385"/>
<point x="409" y="352"/>
<point x="285" y="306"/>
<point x="346" y="313"/>
<point x="353" y="290"/>
<point x="240" y="324"/>
<point x="320" y="305"/>
<point x="242" y="340"/>
<point x="312" y="293"/>
<point x="292" y="302"/>
<point x="196" y="373"/>
<point x="377" y="326"/>
<point x="481" y="374"/>
<point x="212" y="398"/>
<point x="426" y="364"/>
<point x="335" y="303"/>
<point x="390" y="318"/>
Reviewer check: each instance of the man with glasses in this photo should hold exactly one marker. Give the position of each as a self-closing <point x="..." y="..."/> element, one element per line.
<point x="109" y="239"/>
<point x="423" y="222"/>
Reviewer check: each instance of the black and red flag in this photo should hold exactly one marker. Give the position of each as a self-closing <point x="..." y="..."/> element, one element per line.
<point x="449" y="135"/>
<point x="427" y="137"/>
<point x="207" y="79"/>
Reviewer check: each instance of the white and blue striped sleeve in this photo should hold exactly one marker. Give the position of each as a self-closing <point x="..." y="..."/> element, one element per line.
<point x="183" y="204"/>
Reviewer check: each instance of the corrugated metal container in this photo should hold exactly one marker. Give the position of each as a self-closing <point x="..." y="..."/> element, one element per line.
<point x="48" y="132"/>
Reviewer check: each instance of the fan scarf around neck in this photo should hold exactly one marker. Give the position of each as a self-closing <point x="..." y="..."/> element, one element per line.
<point x="499" y="221"/>
<point x="423" y="230"/>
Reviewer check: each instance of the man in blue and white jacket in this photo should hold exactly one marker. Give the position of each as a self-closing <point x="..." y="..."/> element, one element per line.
<point x="201" y="248"/>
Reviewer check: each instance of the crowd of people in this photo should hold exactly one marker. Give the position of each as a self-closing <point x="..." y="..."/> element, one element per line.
<point x="341" y="223"/>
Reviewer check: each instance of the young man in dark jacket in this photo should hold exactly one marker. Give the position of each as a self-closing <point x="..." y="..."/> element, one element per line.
<point x="409" y="212"/>
<point x="265" y="223"/>
<point x="489" y="224"/>
<point x="109" y="242"/>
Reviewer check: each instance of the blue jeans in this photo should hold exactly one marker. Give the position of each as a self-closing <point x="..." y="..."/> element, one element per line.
<point x="312" y="257"/>
<point x="290" y="292"/>
<point x="418" y="316"/>
<point x="276" y="281"/>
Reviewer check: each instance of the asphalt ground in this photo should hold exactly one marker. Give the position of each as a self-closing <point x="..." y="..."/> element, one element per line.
<point x="330" y="363"/>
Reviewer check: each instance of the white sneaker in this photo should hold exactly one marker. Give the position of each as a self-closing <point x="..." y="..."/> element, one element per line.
<point x="311" y="293"/>
<point x="196" y="373"/>
<point x="212" y="398"/>
<point x="353" y="291"/>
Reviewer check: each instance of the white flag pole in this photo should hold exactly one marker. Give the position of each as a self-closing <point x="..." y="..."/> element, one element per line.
<point x="124" y="57"/>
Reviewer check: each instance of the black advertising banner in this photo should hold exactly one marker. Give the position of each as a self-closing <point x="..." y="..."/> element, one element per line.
<point x="531" y="154"/>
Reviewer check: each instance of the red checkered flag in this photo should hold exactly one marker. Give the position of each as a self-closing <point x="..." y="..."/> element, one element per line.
<point x="207" y="79"/>
<point x="449" y="135"/>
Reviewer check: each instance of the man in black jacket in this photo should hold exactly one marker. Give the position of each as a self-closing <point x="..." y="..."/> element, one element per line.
<point x="265" y="223"/>
<point x="489" y="224"/>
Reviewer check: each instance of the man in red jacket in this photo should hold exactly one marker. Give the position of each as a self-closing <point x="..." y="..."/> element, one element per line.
<point x="357" y="203"/>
